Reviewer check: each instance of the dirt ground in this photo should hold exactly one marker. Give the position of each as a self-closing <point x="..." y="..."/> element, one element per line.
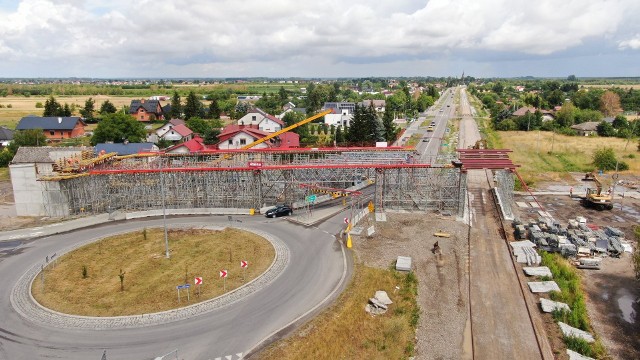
<point x="612" y="293"/>
<point x="8" y="218"/>
<point x="442" y="289"/>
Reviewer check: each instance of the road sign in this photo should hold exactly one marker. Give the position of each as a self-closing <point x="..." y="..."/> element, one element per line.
<point x="311" y="198"/>
<point x="346" y="220"/>
<point x="185" y="286"/>
<point x="223" y="273"/>
<point x="243" y="264"/>
<point x="197" y="281"/>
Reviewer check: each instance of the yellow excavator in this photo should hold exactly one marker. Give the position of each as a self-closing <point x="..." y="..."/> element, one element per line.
<point x="594" y="197"/>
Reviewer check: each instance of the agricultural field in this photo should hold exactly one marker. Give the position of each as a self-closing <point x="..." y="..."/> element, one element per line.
<point x="545" y="156"/>
<point x="21" y="106"/>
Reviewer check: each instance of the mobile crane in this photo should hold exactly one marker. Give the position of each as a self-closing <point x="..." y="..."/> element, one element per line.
<point x="594" y="197"/>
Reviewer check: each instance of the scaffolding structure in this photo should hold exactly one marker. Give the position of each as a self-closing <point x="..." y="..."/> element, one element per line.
<point x="252" y="179"/>
<point x="505" y="183"/>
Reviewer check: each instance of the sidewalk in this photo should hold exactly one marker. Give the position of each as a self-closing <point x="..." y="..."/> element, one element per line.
<point x="301" y="216"/>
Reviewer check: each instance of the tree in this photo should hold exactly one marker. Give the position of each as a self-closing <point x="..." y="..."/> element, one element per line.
<point x="605" y="159"/>
<point x="605" y="129"/>
<point x="52" y="107"/>
<point x="176" y="106"/>
<point x="620" y="122"/>
<point x="498" y="88"/>
<point x="198" y="125"/>
<point x="5" y="157"/>
<point x="107" y="107"/>
<point x="610" y="103"/>
<point x="118" y="127"/>
<point x="66" y="110"/>
<point x="87" y="111"/>
<point x="283" y="95"/>
<point x="566" y="116"/>
<point x="571" y="78"/>
<point x="30" y="137"/>
<point x="390" y="129"/>
<point x="339" y="135"/>
<point x="193" y="106"/>
<point x="214" y="109"/>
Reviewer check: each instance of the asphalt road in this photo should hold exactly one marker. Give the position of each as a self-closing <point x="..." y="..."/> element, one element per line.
<point x="315" y="271"/>
<point x="429" y="150"/>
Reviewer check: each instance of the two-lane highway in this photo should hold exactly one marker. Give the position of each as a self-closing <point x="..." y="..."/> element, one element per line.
<point x="316" y="268"/>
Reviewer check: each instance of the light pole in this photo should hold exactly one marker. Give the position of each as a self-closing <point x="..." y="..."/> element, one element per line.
<point x="164" y="210"/>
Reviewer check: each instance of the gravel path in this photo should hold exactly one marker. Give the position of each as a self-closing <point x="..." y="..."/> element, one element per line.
<point x="442" y="285"/>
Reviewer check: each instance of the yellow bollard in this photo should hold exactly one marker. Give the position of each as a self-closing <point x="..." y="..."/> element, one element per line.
<point x="252" y="211"/>
<point x="371" y="206"/>
<point x="349" y="244"/>
<point x="344" y="202"/>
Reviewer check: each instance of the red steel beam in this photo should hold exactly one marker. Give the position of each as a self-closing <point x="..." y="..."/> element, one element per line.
<point x="275" y="167"/>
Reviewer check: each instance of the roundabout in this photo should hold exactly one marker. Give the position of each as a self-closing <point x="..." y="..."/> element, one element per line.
<point x="308" y="270"/>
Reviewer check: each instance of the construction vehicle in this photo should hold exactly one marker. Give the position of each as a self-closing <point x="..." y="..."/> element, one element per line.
<point x="594" y="197"/>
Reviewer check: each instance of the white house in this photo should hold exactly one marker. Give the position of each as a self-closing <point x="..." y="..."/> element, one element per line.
<point x="259" y="119"/>
<point x="168" y="126"/>
<point x="237" y="136"/>
<point x="178" y="133"/>
<point x="342" y="118"/>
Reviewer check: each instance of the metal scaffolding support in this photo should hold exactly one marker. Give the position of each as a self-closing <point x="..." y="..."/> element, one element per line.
<point x="419" y="189"/>
<point x="225" y="180"/>
<point x="505" y="182"/>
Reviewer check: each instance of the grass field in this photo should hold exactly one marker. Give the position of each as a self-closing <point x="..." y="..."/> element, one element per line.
<point x="22" y="106"/>
<point x="4" y="174"/>
<point x="150" y="279"/>
<point x="347" y="332"/>
<point x="544" y="156"/>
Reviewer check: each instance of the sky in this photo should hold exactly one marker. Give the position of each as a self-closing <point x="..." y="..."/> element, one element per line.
<point x="324" y="39"/>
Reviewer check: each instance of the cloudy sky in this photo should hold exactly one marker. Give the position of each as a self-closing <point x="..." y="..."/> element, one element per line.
<point x="329" y="38"/>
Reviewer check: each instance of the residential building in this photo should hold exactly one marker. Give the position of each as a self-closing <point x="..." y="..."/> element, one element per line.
<point x="54" y="128"/>
<point x="588" y="128"/>
<point x="168" y="126"/>
<point x="259" y="119"/>
<point x="238" y="136"/>
<point x="339" y="106"/>
<point x="6" y="135"/>
<point x="177" y="133"/>
<point x="192" y="146"/>
<point x="125" y="148"/>
<point x="146" y="110"/>
<point x="378" y="105"/>
<point x="340" y="118"/>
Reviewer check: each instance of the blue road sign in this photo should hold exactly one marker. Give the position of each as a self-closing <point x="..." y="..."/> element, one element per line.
<point x="185" y="286"/>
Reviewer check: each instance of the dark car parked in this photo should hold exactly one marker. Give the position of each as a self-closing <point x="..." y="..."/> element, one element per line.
<point x="279" y="210"/>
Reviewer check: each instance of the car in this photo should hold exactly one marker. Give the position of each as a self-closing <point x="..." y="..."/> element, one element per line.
<point x="279" y="210"/>
<point x="425" y="140"/>
<point x="448" y="105"/>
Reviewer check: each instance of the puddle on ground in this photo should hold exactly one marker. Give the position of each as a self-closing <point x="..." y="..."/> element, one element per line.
<point x="625" y="303"/>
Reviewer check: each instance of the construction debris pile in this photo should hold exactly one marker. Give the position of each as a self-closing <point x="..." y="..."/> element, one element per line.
<point x="578" y="239"/>
<point x="378" y="304"/>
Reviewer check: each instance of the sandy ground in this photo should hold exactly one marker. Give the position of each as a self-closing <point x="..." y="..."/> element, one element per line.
<point x="442" y="284"/>
<point x="612" y="291"/>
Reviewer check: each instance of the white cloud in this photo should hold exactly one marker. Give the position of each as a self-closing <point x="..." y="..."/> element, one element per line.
<point x="632" y="43"/>
<point x="275" y="34"/>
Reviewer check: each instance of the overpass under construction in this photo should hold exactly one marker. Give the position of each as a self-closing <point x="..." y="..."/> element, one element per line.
<point x="250" y="179"/>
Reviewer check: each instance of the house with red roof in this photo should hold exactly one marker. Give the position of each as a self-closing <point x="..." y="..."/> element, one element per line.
<point x="261" y="120"/>
<point x="191" y="146"/>
<point x="178" y="133"/>
<point x="237" y="136"/>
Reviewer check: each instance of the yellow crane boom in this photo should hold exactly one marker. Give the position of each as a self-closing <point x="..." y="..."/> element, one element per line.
<point x="277" y="133"/>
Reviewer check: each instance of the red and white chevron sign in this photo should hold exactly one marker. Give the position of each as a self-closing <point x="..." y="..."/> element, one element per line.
<point x="244" y="264"/>
<point x="223" y="273"/>
<point x="197" y="281"/>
